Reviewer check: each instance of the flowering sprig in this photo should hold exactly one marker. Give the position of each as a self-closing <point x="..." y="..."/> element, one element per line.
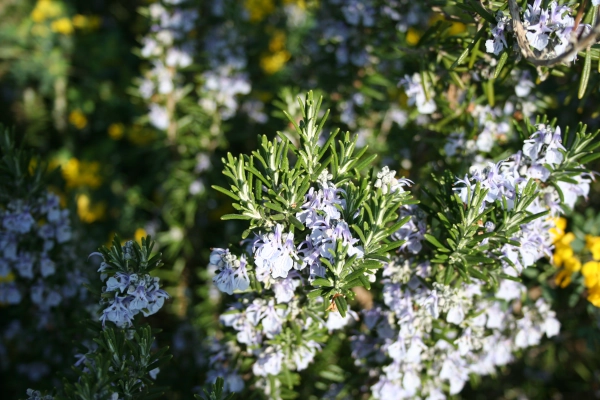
<point x="321" y="229"/>
<point x="271" y="193"/>
<point x="478" y="217"/>
<point x="129" y="288"/>
<point x="123" y="362"/>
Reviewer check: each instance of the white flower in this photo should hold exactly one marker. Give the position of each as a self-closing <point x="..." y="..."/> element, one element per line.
<point x="336" y="321"/>
<point x="230" y="278"/>
<point x="159" y="116"/>
<point x="416" y="94"/>
<point x="269" y="362"/>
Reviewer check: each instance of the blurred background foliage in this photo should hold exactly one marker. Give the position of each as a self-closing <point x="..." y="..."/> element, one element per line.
<point x="138" y="132"/>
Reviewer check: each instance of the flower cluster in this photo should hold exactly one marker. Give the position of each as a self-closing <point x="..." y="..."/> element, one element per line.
<point x="281" y="266"/>
<point x="547" y="30"/>
<point x="427" y="338"/>
<point x="225" y="80"/>
<point x="126" y="294"/>
<point x="168" y="48"/>
<point x="506" y="178"/>
<point x="31" y="232"/>
<point x="422" y="340"/>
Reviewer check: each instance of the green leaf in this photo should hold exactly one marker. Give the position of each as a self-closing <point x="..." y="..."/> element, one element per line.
<point x="469" y="48"/>
<point x="391" y="246"/>
<point x="501" y="63"/>
<point x="431" y="239"/>
<point x="322" y="282"/>
<point x="342" y="305"/>
<point x="585" y="74"/>
<point x="228" y="217"/>
<point x="589" y="157"/>
<point x="448" y="275"/>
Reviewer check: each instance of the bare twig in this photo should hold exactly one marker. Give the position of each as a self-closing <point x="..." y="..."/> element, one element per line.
<point x="576" y="43"/>
<point x="579" y="14"/>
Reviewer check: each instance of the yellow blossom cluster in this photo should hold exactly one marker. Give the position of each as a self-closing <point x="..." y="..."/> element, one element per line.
<point x="86" y="21"/>
<point x="569" y="263"/>
<point x="89" y="212"/>
<point x="277" y="57"/>
<point x="564" y="257"/>
<point x="139" y="234"/>
<point x="81" y="173"/>
<point x="45" y="9"/>
<point x="259" y="9"/>
<point x="413" y="35"/>
<point x="62" y="25"/>
<point x="51" y="10"/>
<point x="116" y="131"/>
<point x="78" y="119"/>
<point x="591" y="270"/>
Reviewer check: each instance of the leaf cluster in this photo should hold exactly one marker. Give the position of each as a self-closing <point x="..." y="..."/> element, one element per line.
<point x="120" y="365"/>
<point x="22" y="174"/>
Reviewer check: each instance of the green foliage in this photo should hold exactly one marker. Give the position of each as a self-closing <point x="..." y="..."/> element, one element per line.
<point x="22" y="175"/>
<point x="215" y="392"/>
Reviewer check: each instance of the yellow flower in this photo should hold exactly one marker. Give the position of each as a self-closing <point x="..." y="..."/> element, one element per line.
<point x="563" y="278"/>
<point x="560" y="224"/>
<point x="561" y="254"/>
<point x="259" y="9"/>
<point x="87" y="212"/>
<point x="139" y="136"/>
<point x="115" y="131"/>
<point x="78" y="119"/>
<point x="81" y="173"/>
<point x="45" y="9"/>
<point x="594" y="296"/>
<point x="591" y="273"/>
<point x="79" y="21"/>
<point x="271" y="63"/>
<point x="62" y="25"/>
<point x="300" y="3"/>
<point x="139" y="234"/>
<point x="86" y="22"/>
<point x="563" y="250"/>
<point x="592" y="243"/>
<point x="277" y="42"/>
<point x="455" y="27"/>
<point x="412" y="36"/>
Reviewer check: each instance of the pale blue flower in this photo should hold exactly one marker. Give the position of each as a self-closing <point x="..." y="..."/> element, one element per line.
<point x="304" y="354"/>
<point x="118" y="312"/>
<point x="284" y="289"/>
<point x="269" y="362"/>
<point x="416" y="94"/>
<point x="274" y="255"/>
